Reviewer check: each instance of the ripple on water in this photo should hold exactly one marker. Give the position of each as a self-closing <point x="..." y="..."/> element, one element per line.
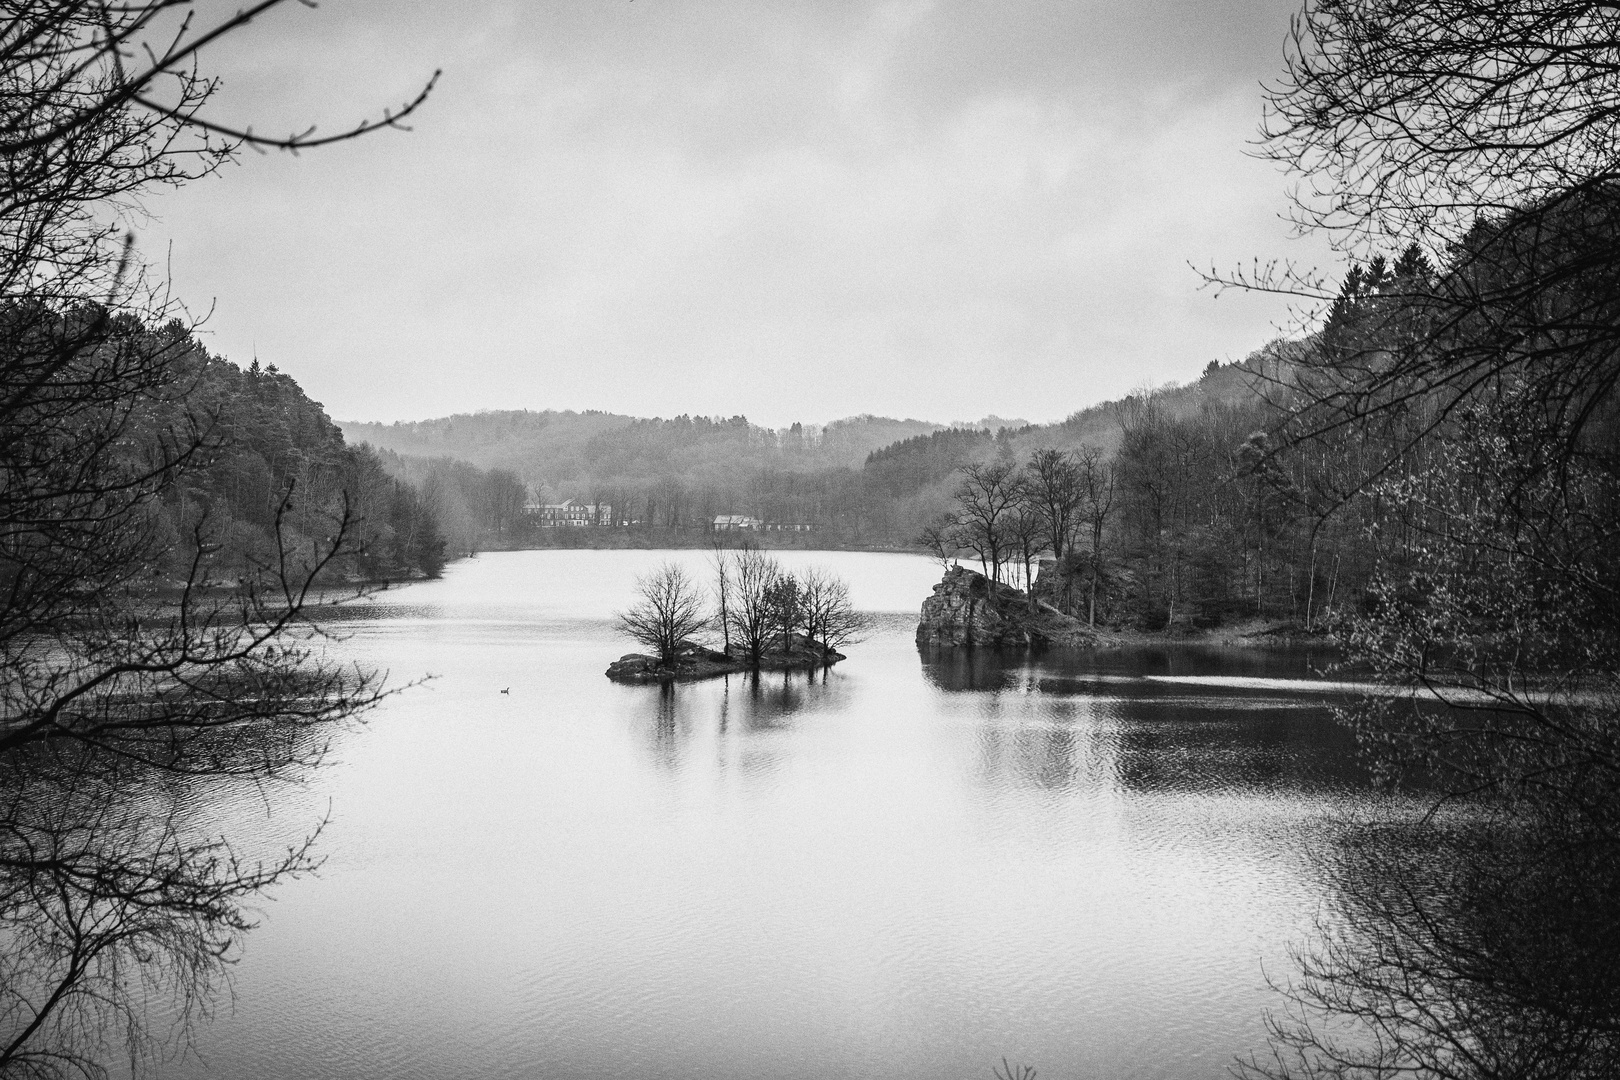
<point x="905" y="868"/>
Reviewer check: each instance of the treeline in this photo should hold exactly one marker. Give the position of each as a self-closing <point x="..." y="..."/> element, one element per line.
<point x="473" y="509"/>
<point x="261" y="471"/>
<point x="1317" y="491"/>
<point x="559" y="453"/>
<point x="1185" y="507"/>
<point x="264" y="469"/>
<point x="668" y="477"/>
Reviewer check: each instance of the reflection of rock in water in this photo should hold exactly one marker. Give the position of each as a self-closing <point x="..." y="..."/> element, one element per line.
<point x="967" y="669"/>
<point x="1469" y="946"/>
<point x="1162" y="736"/>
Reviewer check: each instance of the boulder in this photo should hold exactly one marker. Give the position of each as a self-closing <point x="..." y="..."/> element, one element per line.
<point x="967" y="608"/>
<point x="638" y="667"/>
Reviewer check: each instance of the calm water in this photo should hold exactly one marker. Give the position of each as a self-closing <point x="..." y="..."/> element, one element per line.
<point x="909" y="867"/>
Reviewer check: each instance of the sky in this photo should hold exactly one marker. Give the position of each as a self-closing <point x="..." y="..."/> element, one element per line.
<point x="790" y="211"/>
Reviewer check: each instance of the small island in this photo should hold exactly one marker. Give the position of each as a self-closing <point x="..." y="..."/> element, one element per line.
<point x="767" y="618"/>
<point x="694" y="661"/>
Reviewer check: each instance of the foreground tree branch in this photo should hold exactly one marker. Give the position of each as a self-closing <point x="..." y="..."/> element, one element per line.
<point x="147" y="637"/>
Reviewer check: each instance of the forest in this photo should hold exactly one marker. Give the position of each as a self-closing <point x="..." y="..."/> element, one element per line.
<point x="1185" y="506"/>
<point x="254" y="468"/>
<point x="1205" y="524"/>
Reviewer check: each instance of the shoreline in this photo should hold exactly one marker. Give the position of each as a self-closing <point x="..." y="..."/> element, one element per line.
<point x="696" y="662"/>
<point x="1249" y="634"/>
<point x="680" y="539"/>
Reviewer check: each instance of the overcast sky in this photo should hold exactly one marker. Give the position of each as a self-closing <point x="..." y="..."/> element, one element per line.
<point x="792" y="211"/>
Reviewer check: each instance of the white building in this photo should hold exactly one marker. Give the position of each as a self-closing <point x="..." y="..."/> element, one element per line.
<point x="570" y="513"/>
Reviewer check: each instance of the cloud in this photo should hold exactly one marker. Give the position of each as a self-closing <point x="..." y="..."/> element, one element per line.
<point x="794" y="212"/>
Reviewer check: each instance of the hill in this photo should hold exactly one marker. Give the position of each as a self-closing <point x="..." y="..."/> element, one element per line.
<point x="861" y="481"/>
<point x="566" y="454"/>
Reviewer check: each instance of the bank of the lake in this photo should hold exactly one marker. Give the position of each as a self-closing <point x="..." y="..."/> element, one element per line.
<point x="597" y="538"/>
<point x="965" y="609"/>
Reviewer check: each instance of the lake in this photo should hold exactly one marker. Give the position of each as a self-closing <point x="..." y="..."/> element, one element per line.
<point x="910" y="866"/>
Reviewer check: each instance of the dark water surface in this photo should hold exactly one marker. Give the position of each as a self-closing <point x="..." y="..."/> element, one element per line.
<point x="908" y="867"/>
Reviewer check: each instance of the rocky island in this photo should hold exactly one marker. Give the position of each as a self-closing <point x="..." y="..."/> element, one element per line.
<point x="770" y="619"/>
<point x="967" y="608"/>
<point x="693" y="661"/>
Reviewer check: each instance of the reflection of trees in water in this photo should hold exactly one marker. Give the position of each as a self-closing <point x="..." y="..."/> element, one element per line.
<point x="1481" y="940"/>
<point x="1460" y="947"/>
<point x="675" y="713"/>
<point x="772" y="699"/>
<point x="666" y="726"/>
<point x="1166" y="744"/>
<point x="120" y="904"/>
<point x="1160" y="737"/>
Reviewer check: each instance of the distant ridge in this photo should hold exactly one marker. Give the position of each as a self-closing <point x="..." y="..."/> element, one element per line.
<point x="860" y="480"/>
<point x="548" y="446"/>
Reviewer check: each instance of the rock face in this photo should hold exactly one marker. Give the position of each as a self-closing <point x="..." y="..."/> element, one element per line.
<point x="968" y="609"/>
<point x="697" y="662"/>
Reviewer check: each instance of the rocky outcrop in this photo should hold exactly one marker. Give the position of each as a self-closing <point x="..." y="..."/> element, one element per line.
<point x="698" y="662"/>
<point x="693" y="662"/>
<point x="969" y="609"/>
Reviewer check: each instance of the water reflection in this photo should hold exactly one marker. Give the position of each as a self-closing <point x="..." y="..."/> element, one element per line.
<point x="1473" y="944"/>
<point x="671" y="716"/>
<point x="121" y="906"/>
<point x="1150" y="734"/>
<point x="972" y="669"/>
<point x="1083" y="670"/>
<point x="895" y="868"/>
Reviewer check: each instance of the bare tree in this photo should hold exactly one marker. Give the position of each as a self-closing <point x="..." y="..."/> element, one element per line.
<point x="1026" y="533"/>
<point x="1481" y="130"/>
<point x="830" y="616"/>
<point x="1408" y="120"/>
<point x="721" y="562"/>
<point x="939" y="539"/>
<point x="113" y="674"/>
<point x="986" y="499"/>
<point x="1484" y="390"/>
<point x="1052" y="485"/>
<point x="753" y="574"/>
<point x="1096" y="483"/>
<point x="668" y="615"/>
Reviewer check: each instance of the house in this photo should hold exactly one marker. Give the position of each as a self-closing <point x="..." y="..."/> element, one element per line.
<point x="736" y="523"/>
<point x="788" y="526"/>
<point x="570" y="513"/>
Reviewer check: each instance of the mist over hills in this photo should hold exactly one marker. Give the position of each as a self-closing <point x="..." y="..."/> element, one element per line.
<point x="863" y="480"/>
<point x="553" y="449"/>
